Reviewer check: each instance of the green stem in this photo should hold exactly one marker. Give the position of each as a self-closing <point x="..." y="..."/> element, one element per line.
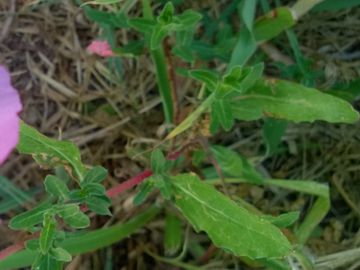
<point x="162" y="76"/>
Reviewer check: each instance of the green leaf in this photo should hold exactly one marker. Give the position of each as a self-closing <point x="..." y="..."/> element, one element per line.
<point x="106" y="17"/>
<point x="158" y="162"/>
<point x="142" y="25"/>
<point x="228" y="225"/>
<point x="283" y="220"/>
<point x="60" y="254"/>
<point x="209" y="78"/>
<point x="49" y="152"/>
<point x="33" y="244"/>
<point x="291" y="101"/>
<point x="73" y="216"/>
<point x="145" y="188"/>
<point x="250" y="76"/>
<point x="56" y="187"/>
<point x="166" y="15"/>
<point x="334" y="5"/>
<point x="47" y="233"/>
<point x="96" y="175"/>
<point x="172" y="235"/>
<point x="46" y="262"/>
<point x="273" y="23"/>
<point x="245" y="45"/>
<point x="190" y="119"/>
<point x="99" y="204"/>
<point x="229" y="161"/>
<point x="94" y="189"/>
<point x="29" y="218"/>
<point x="183" y="52"/>
<point x="188" y="18"/>
<point x="222" y="109"/>
<point x="273" y="130"/>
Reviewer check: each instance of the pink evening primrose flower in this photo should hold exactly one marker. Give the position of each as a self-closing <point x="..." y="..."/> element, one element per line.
<point x="10" y="106"/>
<point x="100" y="47"/>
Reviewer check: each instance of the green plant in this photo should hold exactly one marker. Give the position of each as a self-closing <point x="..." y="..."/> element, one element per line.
<point x="240" y="92"/>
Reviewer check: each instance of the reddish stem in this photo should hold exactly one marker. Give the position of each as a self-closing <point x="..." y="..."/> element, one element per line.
<point x="112" y="192"/>
<point x="10" y="250"/>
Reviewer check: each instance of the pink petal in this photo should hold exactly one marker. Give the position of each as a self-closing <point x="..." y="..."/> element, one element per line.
<point x="10" y="106"/>
<point x="100" y="47"/>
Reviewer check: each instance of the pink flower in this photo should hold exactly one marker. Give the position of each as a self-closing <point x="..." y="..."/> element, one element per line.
<point x="100" y="47"/>
<point x="10" y="106"/>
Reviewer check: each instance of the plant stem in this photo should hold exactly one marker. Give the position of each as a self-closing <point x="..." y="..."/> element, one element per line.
<point x="162" y="77"/>
<point x="112" y="192"/>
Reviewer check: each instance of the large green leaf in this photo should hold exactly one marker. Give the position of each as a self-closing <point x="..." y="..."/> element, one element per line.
<point x="291" y="101"/>
<point x="49" y="152"/>
<point x="229" y="226"/>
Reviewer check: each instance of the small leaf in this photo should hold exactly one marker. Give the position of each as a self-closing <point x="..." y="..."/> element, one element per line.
<point x="283" y="220"/>
<point x="29" y="218"/>
<point x="142" y="25"/>
<point x="99" y="205"/>
<point x="234" y="164"/>
<point x="228" y="225"/>
<point x="166" y="15"/>
<point x="95" y="175"/>
<point x="56" y="187"/>
<point x="94" y="189"/>
<point x="33" y="244"/>
<point x="253" y="74"/>
<point x="229" y="161"/>
<point x="145" y="188"/>
<point x="188" y="18"/>
<point x="208" y="77"/>
<point x="48" y="233"/>
<point x="222" y="109"/>
<point x="73" y="216"/>
<point x="158" y="162"/>
<point x="46" y="262"/>
<point x="60" y="254"/>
